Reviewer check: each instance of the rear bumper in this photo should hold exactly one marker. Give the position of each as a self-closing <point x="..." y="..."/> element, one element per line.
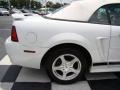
<point x="18" y="57"/>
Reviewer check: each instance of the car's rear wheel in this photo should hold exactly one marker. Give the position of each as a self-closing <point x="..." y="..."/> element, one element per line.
<point x="66" y="65"/>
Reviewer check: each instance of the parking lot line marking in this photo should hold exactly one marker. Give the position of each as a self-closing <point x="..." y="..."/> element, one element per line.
<point x="32" y="75"/>
<point x="82" y="85"/>
<point x="5" y="60"/>
<point x="6" y="86"/>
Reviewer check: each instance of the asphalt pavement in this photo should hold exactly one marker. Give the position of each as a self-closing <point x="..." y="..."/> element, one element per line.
<point x="5" y="26"/>
<point x="4" y="34"/>
<point x="5" y="22"/>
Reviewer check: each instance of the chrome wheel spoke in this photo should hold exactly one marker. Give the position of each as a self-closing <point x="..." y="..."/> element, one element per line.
<point x="71" y="63"/>
<point x="63" y="60"/>
<point x="75" y="71"/>
<point x="61" y="68"/>
<point x="64" y="75"/>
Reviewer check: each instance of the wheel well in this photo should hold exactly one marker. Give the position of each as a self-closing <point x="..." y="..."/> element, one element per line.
<point x="74" y="46"/>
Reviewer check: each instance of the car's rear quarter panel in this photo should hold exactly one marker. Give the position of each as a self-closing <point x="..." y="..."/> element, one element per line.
<point x="45" y="33"/>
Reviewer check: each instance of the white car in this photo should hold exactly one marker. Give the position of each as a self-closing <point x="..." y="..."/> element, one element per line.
<point x="83" y="36"/>
<point x="20" y="16"/>
<point x="4" y="12"/>
<point x="14" y="10"/>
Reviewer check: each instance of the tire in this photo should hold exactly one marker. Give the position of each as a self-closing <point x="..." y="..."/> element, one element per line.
<point x="66" y="70"/>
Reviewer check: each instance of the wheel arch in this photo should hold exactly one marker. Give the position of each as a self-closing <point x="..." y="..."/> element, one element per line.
<point x="72" y="45"/>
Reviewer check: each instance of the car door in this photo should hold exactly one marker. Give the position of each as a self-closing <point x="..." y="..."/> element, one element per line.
<point x="114" y="50"/>
<point x="100" y="22"/>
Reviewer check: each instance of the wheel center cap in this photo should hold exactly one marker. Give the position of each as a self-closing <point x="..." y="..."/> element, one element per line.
<point x="66" y="68"/>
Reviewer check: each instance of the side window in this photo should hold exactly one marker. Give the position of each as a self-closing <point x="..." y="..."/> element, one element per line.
<point x="100" y="16"/>
<point x="114" y="11"/>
